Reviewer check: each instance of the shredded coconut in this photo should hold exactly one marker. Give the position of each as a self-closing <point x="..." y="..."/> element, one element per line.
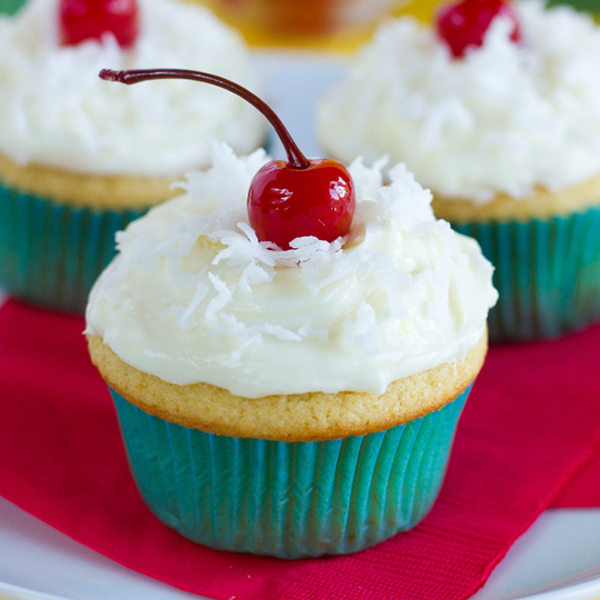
<point x="402" y="293"/>
<point x="57" y="111"/>
<point x="505" y="118"/>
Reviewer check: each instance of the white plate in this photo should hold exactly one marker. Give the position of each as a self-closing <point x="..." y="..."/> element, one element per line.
<point x="557" y="559"/>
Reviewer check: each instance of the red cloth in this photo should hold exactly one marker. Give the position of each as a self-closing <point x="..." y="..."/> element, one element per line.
<point x="531" y="422"/>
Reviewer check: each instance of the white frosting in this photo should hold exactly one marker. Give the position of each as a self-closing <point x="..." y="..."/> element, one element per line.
<point x="57" y="111"/>
<point x="194" y="297"/>
<point x="505" y="118"/>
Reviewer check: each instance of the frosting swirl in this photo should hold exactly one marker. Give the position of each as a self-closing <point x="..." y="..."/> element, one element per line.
<point x="194" y="297"/>
<point x="57" y="112"/>
<point x="506" y="118"/>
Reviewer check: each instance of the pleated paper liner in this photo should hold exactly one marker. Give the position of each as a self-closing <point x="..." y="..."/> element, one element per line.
<point x="547" y="274"/>
<point x="51" y="254"/>
<point x="290" y="500"/>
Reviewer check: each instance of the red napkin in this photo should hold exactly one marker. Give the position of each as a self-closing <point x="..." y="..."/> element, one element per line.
<point x="583" y="489"/>
<point x="531" y="422"/>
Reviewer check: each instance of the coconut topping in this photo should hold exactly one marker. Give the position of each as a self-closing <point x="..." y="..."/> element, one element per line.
<point x="57" y="112"/>
<point x="193" y="296"/>
<point x="505" y="118"/>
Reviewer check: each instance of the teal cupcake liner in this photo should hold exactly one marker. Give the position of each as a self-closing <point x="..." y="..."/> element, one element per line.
<point x="547" y="274"/>
<point x="289" y="499"/>
<point x="51" y="254"/>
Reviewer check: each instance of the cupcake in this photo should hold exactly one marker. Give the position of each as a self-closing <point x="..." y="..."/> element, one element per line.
<point x="79" y="158"/>
<point x="500" y="118"/>
<point x="290" y="402"/>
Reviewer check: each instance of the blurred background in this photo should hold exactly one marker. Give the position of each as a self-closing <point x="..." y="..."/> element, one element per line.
<point x="319" y="24"/>
<point x="335" y="24"/>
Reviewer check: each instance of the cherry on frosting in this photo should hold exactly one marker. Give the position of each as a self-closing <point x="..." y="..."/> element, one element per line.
<point x="81" y="20"/>
<point x="464" y="24"/>
<point x="286" y="200"/>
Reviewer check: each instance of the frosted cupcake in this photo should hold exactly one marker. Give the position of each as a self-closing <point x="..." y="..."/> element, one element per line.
<point x="505" y="130"/>
<point x="290" y="402"/>
<point x="79" y="158"/>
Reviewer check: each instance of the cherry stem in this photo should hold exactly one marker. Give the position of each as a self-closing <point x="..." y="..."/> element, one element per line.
<point x="296" y="159"/>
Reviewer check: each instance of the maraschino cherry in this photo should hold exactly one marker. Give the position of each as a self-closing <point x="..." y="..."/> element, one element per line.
<point x="81" y="20"/>
<point x="286" y="200"/>
<point x="464" y="24"/>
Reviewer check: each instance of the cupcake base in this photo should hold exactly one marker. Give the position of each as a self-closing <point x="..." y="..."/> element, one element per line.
<point x="289" y="499"/>
<point x="547" y="274"/>
<point x="51" y="253"/>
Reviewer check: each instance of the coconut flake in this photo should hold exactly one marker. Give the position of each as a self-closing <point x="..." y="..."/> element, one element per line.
<point x="185" y="316"/>
<point x="223" y="297"/>
<point x="308" y="331"/>
<point x="359" y="330"/>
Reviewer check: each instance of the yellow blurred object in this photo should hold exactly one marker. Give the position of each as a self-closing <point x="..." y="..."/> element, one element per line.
<point x="422" y="9"/>
<point x="335" y="25"/>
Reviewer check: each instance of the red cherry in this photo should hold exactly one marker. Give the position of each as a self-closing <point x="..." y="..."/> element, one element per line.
<point x="286" y="200"/>
<point x="81" y="20"/>
<point x="465" y="23"/>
